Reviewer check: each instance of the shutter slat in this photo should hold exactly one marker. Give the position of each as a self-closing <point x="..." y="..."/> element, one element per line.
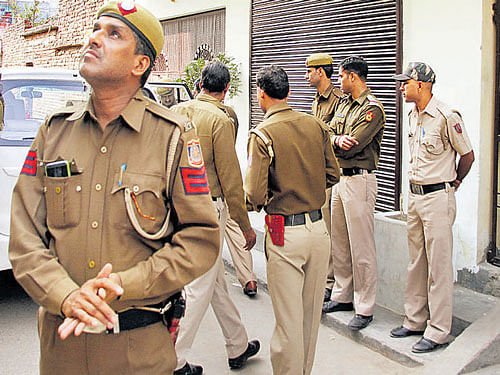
<point x="286" y="32"/>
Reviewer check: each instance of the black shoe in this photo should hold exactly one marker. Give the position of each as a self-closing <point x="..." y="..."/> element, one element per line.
<point x="332" y="306"/>
<point x="328" y="295"/>
<point x="250" y="289"/>
<point x="189" y="369"/>
<point x="401" y="331"/>
<point x="359" y="322"/>
<point x="238" y="362"/>
<point x="425" y="346"/>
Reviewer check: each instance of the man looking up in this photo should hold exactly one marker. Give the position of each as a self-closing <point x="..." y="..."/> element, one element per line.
<point x="93" y="221"/>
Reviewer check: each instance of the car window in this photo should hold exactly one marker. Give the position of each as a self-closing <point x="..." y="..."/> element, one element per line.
<point x="169" y="94"/>
<point x="24" y="106"/>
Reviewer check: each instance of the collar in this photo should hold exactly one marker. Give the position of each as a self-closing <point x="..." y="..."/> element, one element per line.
<point x="132" y="114"/>
<point x="360" y="100"/>
<point x="430" y="108"/>
<point x="208" y="98"/>
<point x="327" y="92"/>
<point x="277" y="108"/>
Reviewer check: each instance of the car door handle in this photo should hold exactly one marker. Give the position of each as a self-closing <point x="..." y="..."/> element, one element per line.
<point x="11" y="171"/>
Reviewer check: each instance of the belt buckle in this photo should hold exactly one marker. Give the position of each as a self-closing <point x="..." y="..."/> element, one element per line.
<point x="101" y="328"/>
<point x="418" y="189"/>
<point x="293" y="220"/>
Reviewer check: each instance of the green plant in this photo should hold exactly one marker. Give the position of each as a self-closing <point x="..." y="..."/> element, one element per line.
<point x="192" y="72"/>
<point x="29" y="13"/>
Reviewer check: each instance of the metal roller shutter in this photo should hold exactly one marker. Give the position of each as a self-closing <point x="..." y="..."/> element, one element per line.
<point x="286" y="32"/>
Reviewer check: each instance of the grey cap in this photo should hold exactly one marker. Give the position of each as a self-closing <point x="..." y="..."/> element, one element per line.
<point x="418" y="71"/>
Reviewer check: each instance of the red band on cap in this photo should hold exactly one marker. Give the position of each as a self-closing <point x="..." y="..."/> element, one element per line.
<point x="125" y="12"/>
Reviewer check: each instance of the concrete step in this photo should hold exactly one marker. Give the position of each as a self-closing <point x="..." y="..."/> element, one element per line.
<point x="468" y="307"/>
<point x="490" y="370"/>
<point x="376" y="336"/>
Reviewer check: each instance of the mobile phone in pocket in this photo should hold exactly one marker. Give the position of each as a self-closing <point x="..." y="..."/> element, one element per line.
<point x="60" y="168"/>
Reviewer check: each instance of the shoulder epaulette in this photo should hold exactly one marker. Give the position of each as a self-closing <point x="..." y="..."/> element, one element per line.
<point x="446" y="111"/>
<point x="259" y="133"/>
<point x="374" y="101"/>
<point x="65" y="112"/>
<point x="169" y="115"/>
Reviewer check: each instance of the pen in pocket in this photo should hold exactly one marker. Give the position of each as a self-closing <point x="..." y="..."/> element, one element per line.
<point x="122" y="169"/>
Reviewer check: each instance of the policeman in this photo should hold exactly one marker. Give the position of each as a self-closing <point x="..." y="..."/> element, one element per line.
<point x="437" y="135"/>
<point x="242" y="259"/>
<point x="216" y="133"/>
<point x="107" y="242"/>
<point x="290" y="164"/>
<point x="357" y="129"/>
<point x="319" y="72"/>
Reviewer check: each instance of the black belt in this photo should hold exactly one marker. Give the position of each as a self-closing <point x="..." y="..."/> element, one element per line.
<point x="426" y="189"/>
<point x="144" y="316"/>
<point x="354" y="171"/>
<point x="300" y="219"/>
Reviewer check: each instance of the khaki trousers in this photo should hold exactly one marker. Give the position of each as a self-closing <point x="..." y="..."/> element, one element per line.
<point x="429" y="287"/>
<point x="211" y="288"/>
<point x="242" y="259"/>
<point x="327" y="215"/>
<point x="353" y="242"/>
<point x="296" y="274"/>
<point x="140" y="351"/>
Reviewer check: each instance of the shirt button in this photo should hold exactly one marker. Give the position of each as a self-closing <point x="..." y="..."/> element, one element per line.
<point x="98" y="187"/>
<point x="91" y="264"/>
<point x="95" y="224"/>
<point x="104" y="149"/>
<point x="136" y="189"/>
<point x="78" y="188"/>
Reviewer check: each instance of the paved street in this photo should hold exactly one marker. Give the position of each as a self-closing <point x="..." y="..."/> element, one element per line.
<point x="335" y="354"/>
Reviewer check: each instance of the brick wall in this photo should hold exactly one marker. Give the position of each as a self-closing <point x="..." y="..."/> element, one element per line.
<point x="55" y="45"/>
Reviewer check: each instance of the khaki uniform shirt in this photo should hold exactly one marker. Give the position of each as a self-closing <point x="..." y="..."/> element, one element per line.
<point x="303" y="166"/>
<point x="217" y="137"/>
<point x="65" y="229"/>
<point x="324" y="104"/>
<point x="232" y="116"/>
<point x="364" y="119"/>
<point x="436" y="135"/>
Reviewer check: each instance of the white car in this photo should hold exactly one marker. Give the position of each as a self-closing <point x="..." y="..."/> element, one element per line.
<point x="28" y="95"/>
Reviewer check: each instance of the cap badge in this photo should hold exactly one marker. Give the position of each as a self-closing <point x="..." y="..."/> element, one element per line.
<point x="127" y="7"/>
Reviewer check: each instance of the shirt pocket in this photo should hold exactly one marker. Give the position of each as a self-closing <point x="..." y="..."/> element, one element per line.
<point x="63" y="197"/>
<point x="337" y="123"/>
<point x="148" y="205"/>
<point x="433" y="144"/>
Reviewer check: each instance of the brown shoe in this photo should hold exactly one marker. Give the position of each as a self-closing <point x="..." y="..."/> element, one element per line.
<point x="250" y="289"/>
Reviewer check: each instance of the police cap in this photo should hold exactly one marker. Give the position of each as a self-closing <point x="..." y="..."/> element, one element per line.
<point x="319" y="59"/>
<point x="139" y="19"/>
<point x="418" y="71"/>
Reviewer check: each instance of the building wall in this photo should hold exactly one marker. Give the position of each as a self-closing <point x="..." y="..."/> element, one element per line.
<point x="52" y="47"/>
<point x="456" y="37"/>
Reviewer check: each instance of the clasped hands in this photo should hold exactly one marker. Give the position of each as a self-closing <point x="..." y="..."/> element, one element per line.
<point x="345" y="142"/>
<point x="89" y="305"/>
